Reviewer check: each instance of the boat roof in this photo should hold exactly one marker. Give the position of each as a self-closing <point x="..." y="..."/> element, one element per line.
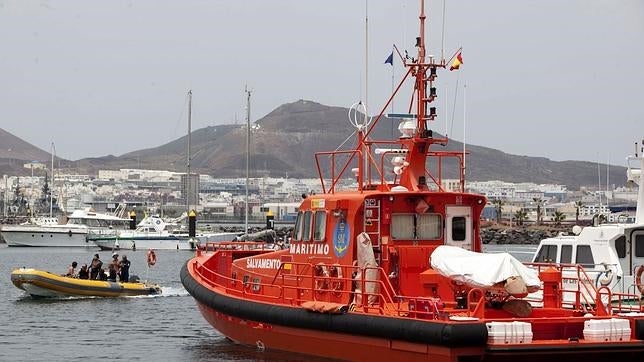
<point x="91" y="214"/>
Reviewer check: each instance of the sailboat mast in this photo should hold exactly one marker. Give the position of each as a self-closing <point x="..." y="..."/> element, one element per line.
<point x="464" y="121"/>
<point x="366" y="60"/>
<point x="189" y="151"/>
<point x="51" y="188"/>
<point x="248" y="92"/>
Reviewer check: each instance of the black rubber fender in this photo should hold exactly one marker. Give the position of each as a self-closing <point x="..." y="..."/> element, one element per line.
<point x="419" y="331"/>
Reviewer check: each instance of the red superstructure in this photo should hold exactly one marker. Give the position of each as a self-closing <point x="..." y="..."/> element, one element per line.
<point x="356" y="283"/>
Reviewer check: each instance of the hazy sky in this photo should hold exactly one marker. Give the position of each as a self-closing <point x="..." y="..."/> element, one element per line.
<point x="556" y="78"/>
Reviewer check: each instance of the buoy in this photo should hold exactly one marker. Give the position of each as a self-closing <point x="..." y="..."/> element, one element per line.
<point x="152" y="257"/>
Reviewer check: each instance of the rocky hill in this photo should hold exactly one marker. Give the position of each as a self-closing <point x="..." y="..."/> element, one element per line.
<point x="15" y="152"/>
<point x="285" y="140"/>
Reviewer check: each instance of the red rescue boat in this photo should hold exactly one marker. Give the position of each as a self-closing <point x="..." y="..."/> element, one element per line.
<point x="373" y="273"/>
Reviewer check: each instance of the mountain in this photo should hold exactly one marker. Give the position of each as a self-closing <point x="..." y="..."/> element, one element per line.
<point x="15" y="152"/>
<point x="285" y="140"/>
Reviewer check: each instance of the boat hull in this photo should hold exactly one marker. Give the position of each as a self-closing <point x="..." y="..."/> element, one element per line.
<point x="39" y="283"/>
<point x="143" y="243"/>
<point x="356" y="336"/>
<point x="17" y="235"/>
<point x="298" y="330"/>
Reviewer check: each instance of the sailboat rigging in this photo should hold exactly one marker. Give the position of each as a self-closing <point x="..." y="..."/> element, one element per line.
<point x="248" y="93"/>
<point x="188" y="176"/>
<point x="51" y="192"/>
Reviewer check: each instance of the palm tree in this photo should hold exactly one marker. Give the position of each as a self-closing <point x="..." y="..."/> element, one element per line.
<point x="558" y="217"/>
<point x="539" y="201"/>
<point x="520" y="216"/>
<point x="578" y="206"/>
<point x="498" y="207"/>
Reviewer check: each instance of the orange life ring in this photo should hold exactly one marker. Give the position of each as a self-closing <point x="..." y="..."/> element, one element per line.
<point x="638" y="278"/>
<point x="152" y="257"/>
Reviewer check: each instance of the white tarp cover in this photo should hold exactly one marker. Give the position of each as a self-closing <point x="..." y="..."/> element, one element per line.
<point x="480" y="270"/>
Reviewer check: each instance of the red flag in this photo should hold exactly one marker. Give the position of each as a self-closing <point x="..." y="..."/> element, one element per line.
<point x="458" y="60"/>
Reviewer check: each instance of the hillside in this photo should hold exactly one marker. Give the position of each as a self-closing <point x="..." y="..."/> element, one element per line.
<point x="15" y="152"/>
<point x="285" y="140"/>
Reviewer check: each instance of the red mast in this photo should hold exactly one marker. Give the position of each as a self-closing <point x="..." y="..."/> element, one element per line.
<point x="413" y="176"/>
<point x="413" y="145"/>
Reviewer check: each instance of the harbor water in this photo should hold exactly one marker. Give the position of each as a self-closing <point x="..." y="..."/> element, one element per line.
<point x="167" y="327"/>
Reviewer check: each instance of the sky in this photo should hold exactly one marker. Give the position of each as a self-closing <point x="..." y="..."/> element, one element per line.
<point x="560" y="79"/>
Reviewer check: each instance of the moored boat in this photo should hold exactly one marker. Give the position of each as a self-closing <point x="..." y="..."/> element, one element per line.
<point x="45" y="234"/>
<point x="154" y="233"/>
<point x="612" y="254"/>
<point x="393" y="270"/>
<point x="49" y="233"/>
<point x="40" y="283"/>
<point x="151" y="233"/>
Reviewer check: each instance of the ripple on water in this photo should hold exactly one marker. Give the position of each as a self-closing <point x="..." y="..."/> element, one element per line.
<point x="167" y="327"/>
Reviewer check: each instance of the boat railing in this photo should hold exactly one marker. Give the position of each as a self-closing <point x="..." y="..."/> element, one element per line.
<point x="300" y="282"/>
<point x="435" y="179"/>
<point x="587" y="293"/>
<point x="576" y="282"/>
<point x="378" y="167"/>
<point x="210" y="247"/>
<point x="369" y="290"/>
<point x="333" y="177"/>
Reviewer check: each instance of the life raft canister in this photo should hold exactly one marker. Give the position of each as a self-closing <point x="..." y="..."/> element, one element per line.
<point x="152" y="257"/>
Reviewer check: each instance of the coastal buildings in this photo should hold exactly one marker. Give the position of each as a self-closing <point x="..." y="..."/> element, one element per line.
<point x="164" y="192"/>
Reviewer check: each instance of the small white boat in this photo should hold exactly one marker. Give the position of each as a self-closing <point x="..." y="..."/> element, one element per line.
<point x="47" y="231"/>
<point x="37" y="233"/>
<point x="154" y="233"/>
<point x="612" y="255"/>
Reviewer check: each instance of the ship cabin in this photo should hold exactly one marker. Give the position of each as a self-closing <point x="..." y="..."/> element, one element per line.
<point x="403" y="229"/>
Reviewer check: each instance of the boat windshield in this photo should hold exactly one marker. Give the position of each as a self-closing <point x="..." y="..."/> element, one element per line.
<point x="546" y="254"/>
<point x="98" y="222"/>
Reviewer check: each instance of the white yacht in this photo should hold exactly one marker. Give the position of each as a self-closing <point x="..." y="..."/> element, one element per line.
<point x="154" y="233"/>
<point x="612" y="255"/>
<point x="48" y="232"/>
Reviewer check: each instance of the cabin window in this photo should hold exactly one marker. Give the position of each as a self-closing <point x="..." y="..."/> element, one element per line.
<point x="320" y="226"/>
<point x="620" y="246"/>
<point x="429" y="226"/>
<point x="566" y="254"/>
<point x="245" y="281"/>
<point x="585" y="256"/>
<point x="402" y="226"/>
<point x="297" y="234"/>
<point x="416" y="226"/>
<point x="306" y="226"/>
<point x="458" y="228"/>
<point x="639" y="246"/>
<point x="233" y="278"/>
<point x="547" y="254"/>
